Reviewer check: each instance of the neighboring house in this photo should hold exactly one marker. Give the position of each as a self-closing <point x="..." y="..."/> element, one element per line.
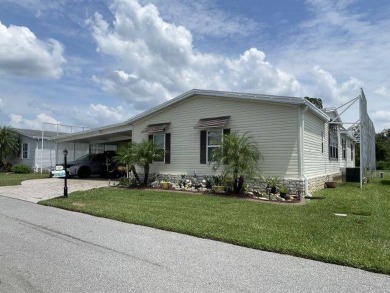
<point x="30" y="149"/>
<point x="297" y="140"/>
<point x="38" y="150"/>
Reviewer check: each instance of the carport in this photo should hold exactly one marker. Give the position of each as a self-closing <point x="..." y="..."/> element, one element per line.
<point x="93" y="141"/>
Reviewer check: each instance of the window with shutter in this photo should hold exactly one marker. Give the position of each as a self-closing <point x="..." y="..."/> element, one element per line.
<point x="163" y="141"/>
<point x="209" y="141"/>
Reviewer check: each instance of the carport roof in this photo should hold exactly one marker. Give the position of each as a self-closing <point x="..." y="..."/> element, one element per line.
<point x="107" y="134"/>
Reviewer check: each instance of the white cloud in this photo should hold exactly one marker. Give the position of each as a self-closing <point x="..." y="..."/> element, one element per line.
<point x="22" y="53"/>
<point x="349" y="45"/>
<point x="203" y="18"/>
<point x="18" y="121"/>
<point x="156" y="60"/>
<point x="383" y="118"/>
<point x="382" y="115"/>
<point x="251" y="72"/>
<point x="324" y="84"/>
<point x="96" y="115"/>
<point x="382" y="91"/>
<point x="39" y="6"/>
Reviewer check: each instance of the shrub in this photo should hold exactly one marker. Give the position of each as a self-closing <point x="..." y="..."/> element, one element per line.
<point x="21" y="169"/>
<point x="382" y="165"/>
<point x="5" y="166"/>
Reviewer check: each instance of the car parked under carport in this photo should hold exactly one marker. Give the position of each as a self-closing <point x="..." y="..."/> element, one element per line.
<point x="101" y="164"/>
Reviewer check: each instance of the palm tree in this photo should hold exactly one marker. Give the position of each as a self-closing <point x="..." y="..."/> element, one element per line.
<point x="239" y="158"/>
<point x="141" y="154"/>
<point x="126" y="155"/>
<point x="9" y="141"/>
<point x="147" y="152"/>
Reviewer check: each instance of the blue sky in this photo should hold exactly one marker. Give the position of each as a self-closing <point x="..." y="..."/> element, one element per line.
<point x="93" y="63"/>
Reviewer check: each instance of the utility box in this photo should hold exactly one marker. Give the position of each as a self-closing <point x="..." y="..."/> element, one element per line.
<point x="352" y="174"/>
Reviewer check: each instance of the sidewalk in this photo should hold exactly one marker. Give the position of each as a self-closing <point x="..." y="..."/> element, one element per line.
<point x="40" y="189"/>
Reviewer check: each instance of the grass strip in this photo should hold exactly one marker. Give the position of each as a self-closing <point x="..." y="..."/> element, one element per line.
<point x="361" y="239"/>
<point x="9" y="179"/>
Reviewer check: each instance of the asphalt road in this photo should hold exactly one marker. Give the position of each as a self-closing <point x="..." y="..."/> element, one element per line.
<point x="44" y="249"/>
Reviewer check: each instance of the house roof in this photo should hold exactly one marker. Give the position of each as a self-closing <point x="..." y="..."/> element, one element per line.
<point x="37" y="134"/>
<point x="230" y="95"/>
<point x="125" y="127"/>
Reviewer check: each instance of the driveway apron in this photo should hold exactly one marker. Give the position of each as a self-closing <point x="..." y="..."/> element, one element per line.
<point x="40" y="189"/>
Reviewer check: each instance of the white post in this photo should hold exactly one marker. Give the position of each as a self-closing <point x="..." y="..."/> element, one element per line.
<point x="43" y="130"/>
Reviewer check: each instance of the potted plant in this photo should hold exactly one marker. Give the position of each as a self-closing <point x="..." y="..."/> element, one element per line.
<point x="283" y="190"/>
<point x="164" y="185"/>
<point x="219" y="186"/>
<point x="272" y="183"/>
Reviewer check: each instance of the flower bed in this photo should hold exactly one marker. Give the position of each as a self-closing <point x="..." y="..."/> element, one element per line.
<point x="207" y="185"/>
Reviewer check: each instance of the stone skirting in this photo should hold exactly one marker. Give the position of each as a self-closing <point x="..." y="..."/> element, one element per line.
<point x="294" y="185"/>
<point x="317" y="183"/>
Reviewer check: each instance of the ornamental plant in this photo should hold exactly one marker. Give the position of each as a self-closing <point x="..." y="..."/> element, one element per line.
<point x="238" y="158"/>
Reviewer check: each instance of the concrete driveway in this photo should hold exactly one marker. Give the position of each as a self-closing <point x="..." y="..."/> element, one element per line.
<point x="39" y="189"/>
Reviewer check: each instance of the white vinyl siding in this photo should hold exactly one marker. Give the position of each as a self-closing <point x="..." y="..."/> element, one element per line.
<point x="315" y="145"/>
<point x="273" y="127"/>
<point x="316" y="150"/>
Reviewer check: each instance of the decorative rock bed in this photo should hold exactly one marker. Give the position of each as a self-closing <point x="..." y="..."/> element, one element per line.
<point x="199" y="187"/>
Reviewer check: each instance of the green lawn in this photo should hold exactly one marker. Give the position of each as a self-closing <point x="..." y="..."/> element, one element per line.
<point x="361" y="239"/>
<point x="7" y="178"/>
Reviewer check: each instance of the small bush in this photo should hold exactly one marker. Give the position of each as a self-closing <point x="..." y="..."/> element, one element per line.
<point x="21" y="169"/>
<point x="382" y="165"/>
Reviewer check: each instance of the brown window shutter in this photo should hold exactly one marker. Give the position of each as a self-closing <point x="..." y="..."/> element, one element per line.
<point x="203" y="145"/>
<point x="150" y="137"/>
<point x="167" y="148"/>
<point x="226" y="131"/>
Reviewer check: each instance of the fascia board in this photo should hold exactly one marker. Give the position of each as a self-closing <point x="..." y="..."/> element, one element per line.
<point x="110" y="129"/>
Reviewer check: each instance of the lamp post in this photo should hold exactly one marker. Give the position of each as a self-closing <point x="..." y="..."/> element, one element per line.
<point x="65" y="152"/>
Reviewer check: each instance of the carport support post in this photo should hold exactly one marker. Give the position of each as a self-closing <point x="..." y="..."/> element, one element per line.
<point x="65" y="152"/>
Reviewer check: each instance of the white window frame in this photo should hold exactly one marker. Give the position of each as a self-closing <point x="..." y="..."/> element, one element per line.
<point x="208" y="146"/>
<point x="163" y="147"/>
<point x="27" y="151"/>
<point x="344" y="148"/>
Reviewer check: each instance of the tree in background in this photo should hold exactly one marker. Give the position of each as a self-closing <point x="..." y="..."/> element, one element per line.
<point x="315" y="101"/>
<point x="9" y="142"/>
<point x="238" y="157"/>
<point x="382" y="149"/>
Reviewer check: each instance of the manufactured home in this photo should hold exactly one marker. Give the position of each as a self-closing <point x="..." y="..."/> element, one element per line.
<point x="36" y="149"/>
<point x="298" y="141"/>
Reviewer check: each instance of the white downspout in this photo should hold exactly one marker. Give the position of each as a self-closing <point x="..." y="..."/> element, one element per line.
<point x="302" y="150"/>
